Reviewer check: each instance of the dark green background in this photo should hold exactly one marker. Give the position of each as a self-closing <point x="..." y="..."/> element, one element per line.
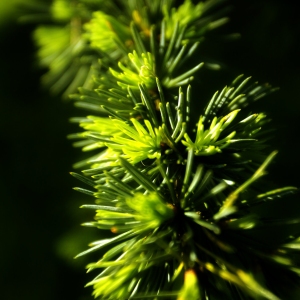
<point x="39" y="214"/>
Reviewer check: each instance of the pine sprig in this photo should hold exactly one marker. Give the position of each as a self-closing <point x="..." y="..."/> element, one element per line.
<point x="178" y="199"/>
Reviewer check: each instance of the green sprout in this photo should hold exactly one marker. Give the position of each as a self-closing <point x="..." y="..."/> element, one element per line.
<point x="190" y="288"/>
<point x="206" y="142"/>
<point x="143" y="73"/>
<point x="106" y="33"/>
<point x="150" y="209"/>
<point x="188" y="15"/>
<point x="137" y="144"/>
<point x="62" y="10"/>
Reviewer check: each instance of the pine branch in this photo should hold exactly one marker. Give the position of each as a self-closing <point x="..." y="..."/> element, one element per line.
<point x="178" y="198"/>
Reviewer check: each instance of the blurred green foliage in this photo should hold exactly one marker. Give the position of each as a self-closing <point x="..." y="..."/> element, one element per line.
<point x="8" y="10"/>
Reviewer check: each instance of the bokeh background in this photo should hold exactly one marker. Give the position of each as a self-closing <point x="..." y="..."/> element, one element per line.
<point x="39" y="212"/>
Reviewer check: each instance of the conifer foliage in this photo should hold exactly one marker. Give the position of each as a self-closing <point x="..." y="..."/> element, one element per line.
<point x="177" y="196"/>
